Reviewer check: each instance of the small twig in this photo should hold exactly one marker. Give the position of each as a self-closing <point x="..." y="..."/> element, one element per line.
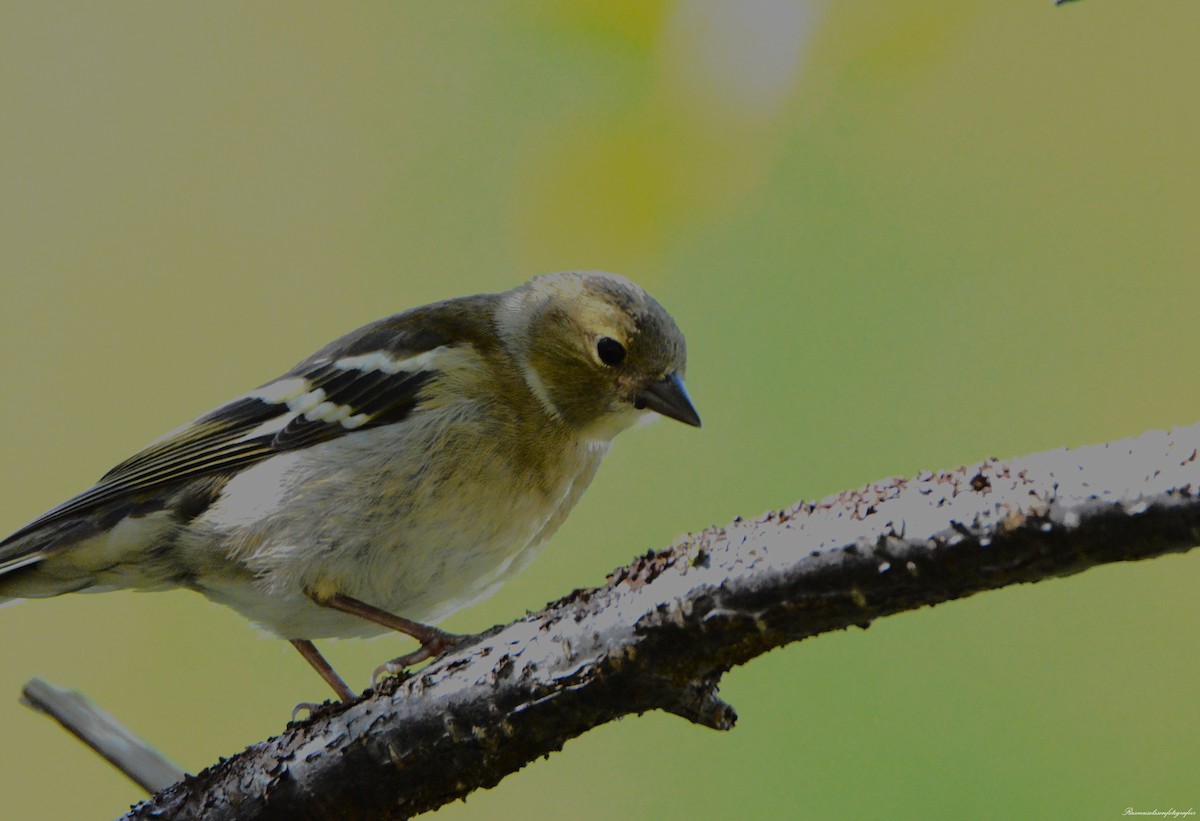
<point x="103" y="733"/>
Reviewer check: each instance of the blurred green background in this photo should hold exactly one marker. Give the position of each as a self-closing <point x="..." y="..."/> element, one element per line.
<point x="899" y="235"/>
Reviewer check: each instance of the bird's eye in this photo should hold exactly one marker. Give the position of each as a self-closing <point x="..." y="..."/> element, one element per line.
<point x="610" y="351"/>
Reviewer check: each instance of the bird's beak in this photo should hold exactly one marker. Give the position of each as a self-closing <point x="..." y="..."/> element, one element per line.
<point x="668" y="397"/>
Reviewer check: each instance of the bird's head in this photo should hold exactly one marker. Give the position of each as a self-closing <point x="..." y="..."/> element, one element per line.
<point x="598" y="351"/>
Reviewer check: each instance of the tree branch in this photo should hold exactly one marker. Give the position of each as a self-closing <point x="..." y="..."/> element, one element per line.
<point x="663" y="630"/>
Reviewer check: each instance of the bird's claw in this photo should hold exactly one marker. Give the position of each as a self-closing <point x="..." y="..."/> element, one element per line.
<point x="310" y="706"/>
<point x="436" y="646"/>
<point x="399" y="666"/>
<point x="386" y="670"/>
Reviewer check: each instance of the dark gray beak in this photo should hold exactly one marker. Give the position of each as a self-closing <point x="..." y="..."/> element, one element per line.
<point x="668" y="397"/>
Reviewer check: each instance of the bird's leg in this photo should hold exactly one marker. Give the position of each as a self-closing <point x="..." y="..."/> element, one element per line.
<point x="313" y="656"/>
<point x="434" y="642"/>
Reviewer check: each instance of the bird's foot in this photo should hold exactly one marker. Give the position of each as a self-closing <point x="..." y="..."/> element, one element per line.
<point x="309" y="707"/>
<point x="433" y="644"/>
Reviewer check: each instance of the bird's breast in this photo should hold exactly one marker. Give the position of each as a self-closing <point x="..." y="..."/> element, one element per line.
<point x="421" y="533"/>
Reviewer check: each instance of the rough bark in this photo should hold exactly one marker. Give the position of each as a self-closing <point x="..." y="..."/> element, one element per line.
<point x="663" y="630"/>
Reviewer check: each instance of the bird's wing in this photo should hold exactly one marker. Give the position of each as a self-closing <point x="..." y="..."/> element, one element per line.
<point x="371" y="377"/>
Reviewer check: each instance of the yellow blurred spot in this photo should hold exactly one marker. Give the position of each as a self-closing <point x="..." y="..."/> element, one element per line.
<point x="597" y="199"/>
<point x="636" y="21"/>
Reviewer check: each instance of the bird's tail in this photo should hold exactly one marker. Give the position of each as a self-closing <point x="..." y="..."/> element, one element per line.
<point x="21" y="575"/>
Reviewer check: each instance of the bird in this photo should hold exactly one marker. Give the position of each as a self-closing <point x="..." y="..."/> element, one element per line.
<point x="399" y="474"/>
